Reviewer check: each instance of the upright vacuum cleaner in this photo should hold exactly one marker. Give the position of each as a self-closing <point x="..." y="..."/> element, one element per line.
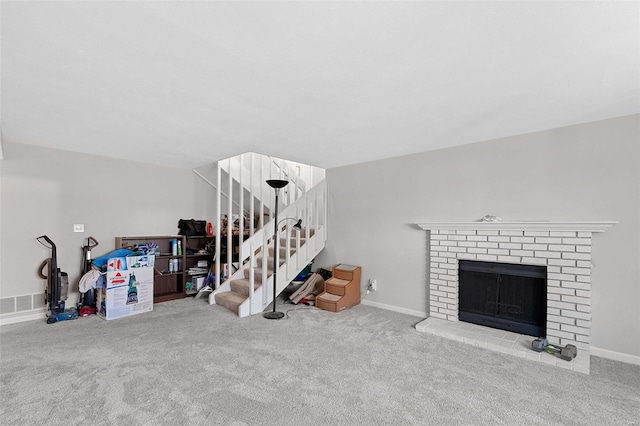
<point x="87" y="300"/>
<point x="57" y="285"/>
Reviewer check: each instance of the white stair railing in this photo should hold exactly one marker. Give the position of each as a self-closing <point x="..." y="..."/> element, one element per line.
<point x="299" y="250"/>
<point x="244" y="168"/>
<point x="246" y="176"/>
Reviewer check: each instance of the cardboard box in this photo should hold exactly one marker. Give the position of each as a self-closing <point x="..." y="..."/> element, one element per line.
<point x="128" y="262"/>
<point x="146" y="261"/>
<point x="127" y="287"/>
<point x="120" y="278"/>
<point x="117" y="264"/>
<point x="124" y="301"/>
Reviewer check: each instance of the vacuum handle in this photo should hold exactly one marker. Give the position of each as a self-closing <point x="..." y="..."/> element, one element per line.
<point x="53" y="260"/>
<point x="48" y="240"/>
<point x="90" y="240"/>
<point x="87" y="253"/>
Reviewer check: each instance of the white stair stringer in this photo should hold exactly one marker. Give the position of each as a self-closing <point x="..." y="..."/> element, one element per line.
<point x="297" y="249"/>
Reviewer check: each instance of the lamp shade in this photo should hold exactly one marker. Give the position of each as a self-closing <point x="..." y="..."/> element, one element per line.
<point x="277" y="183"/>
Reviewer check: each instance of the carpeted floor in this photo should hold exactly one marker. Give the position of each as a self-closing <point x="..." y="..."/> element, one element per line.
<point x="190" y="363"/>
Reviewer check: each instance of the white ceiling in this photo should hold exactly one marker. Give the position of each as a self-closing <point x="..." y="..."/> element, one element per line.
<point x="323" y="83"/>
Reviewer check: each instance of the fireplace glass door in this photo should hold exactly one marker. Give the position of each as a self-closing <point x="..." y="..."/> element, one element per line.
<point x="506" y="296"/>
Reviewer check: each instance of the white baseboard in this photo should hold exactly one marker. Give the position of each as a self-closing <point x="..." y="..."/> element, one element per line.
<point x="395" y="309"/>
<point x="22" y="317"/>
<point x="616" y="356"/>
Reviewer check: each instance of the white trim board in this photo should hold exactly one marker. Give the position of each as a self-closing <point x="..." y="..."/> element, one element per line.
<point x="581" y="226"/>
<point x="616" y="356"/>
<point x="14" y="318"/>
<point x="394" y="308"/>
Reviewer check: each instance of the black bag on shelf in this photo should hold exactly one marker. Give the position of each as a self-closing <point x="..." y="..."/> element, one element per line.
<point x="192" y="227"/>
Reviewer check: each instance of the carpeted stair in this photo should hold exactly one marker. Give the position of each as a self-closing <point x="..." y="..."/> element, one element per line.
<point x="240" y="287"/>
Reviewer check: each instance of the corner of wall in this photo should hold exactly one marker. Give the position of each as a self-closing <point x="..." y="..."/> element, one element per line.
<point x="1" y="189"/>
<point x="1" y="149"/>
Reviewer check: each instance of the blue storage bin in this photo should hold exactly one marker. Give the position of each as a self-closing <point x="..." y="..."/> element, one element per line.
<point x="101" y="262"/>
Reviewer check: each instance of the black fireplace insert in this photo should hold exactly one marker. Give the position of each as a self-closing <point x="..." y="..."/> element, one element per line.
<point x="506" y="296"/>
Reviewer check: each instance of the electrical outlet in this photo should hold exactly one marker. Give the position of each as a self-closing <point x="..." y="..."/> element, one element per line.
<point x="78" y="227"/>
<point x="373" y="284"/>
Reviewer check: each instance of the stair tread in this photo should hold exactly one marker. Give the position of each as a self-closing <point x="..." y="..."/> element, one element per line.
<point x="329" y="297"/>
<point x="231" y="296"/>
<point x="230" y="300"/>
<point x="283" y="251"/>
<point x="281" y="260"/>
<point x="257" y="274"/>
<point x="244" y="284"/>
<point x="283" y="242"/>
<point x="337" y="281"/>
<point x="241" y="281"/>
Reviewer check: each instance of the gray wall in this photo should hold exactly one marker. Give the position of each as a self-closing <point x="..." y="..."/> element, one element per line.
<point x="45" y="191"/>
<point x="583" y="172"/>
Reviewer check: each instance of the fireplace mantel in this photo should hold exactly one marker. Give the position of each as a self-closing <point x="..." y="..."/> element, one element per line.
<point x="578" y="226"/>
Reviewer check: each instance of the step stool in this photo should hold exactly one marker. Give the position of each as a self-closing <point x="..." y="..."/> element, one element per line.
<point x="342" y="290"/>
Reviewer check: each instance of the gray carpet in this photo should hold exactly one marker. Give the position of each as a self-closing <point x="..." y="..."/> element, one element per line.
<point x="190" y="363"/>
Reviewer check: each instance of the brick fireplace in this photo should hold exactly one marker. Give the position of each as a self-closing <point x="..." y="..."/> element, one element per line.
<point x="564" y="248"/>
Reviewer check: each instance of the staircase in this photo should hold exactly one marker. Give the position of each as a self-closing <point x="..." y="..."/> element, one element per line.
<point x="237" y="299"/>
<point x="249" y="290"/>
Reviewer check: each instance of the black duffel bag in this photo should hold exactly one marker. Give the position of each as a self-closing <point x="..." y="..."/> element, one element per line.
<point x="192" y="227"/>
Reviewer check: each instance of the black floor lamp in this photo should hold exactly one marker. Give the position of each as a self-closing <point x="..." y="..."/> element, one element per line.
<point x="275" y="184"/>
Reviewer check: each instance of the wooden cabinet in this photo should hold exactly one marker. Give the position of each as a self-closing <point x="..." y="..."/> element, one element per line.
<point x="172" y="277"/>
<point x="198" y="260"/>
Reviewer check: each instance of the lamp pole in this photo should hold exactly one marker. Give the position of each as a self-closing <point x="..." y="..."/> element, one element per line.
<point x="276" y="184"/>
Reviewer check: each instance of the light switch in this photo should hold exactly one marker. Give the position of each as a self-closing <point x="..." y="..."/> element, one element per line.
<point x="78" y="227"/>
